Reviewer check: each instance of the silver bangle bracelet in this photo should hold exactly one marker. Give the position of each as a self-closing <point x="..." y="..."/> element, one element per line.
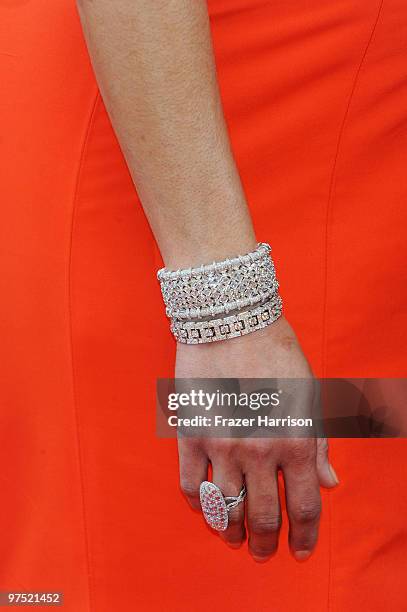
<point x="243" y="290"/>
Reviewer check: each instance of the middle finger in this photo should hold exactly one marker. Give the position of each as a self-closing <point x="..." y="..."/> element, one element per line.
<point x="264" y="512"/>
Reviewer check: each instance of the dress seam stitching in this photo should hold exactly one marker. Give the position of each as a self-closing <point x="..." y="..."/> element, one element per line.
<point x="71" y="347"/>
<point x="328" y="214"/>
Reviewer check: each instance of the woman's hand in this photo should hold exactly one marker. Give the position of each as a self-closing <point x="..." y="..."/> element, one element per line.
<point x="273" y="352"/>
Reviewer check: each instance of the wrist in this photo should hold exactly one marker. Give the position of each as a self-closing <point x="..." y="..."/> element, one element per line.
<point x="223" y="299"/>
<point x="216" y="227"/>
<point x="194" y="251"/>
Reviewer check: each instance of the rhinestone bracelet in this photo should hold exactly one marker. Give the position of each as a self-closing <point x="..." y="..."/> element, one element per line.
<point x="232" y="326"/>
<point x="262" y="249"/>
<point x="234" y="304"/>
<point x="219" y="287"/>
<point x="243" y="289"/>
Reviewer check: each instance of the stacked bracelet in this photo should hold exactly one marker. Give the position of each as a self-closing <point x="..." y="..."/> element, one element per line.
<point x="244" y="290"/>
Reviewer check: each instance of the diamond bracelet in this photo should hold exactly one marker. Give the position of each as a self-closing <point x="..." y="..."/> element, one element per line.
<point x="219" y="287"/>
<point x="262" y="249"/>
<point x="232" y="326"/>
<point x="244" y="290"/>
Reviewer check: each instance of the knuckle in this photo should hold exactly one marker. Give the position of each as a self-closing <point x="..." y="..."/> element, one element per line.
<point x="307" y="513"/>
<point x="262" y="524"/>
<point x="301" y="451"/>
<point x="259" y="450"/>
<point x="222" y="448"/>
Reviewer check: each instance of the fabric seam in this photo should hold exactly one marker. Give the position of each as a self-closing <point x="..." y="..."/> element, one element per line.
<point x="71" y="343"/>
<point x="327" y="235"/>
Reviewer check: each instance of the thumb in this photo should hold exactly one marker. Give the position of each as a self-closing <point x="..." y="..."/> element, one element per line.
<point x="326" y="474"/>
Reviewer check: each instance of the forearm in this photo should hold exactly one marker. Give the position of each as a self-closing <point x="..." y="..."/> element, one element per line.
<point x="155" y="68"/>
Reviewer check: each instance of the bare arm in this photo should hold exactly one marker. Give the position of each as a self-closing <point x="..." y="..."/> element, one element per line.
<point x="155" y="67"/>
<point x="156" y="70"/>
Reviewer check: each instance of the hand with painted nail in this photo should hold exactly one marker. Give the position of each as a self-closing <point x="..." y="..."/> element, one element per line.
<point x="256" y="462"/>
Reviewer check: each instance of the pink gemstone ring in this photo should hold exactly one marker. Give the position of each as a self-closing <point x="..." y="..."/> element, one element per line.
<point x="215" y="506"/>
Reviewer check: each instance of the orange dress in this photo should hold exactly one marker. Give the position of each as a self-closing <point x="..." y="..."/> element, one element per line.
<point x="315" y="97"/>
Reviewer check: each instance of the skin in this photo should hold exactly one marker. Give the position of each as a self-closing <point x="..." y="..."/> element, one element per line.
<point x="155" y="67"/>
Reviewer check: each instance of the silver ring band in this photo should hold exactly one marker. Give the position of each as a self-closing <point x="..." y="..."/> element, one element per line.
<point x="216" y="506"/>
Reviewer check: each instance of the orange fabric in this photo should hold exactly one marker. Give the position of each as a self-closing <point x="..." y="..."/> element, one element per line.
<point x="315" y="98"/>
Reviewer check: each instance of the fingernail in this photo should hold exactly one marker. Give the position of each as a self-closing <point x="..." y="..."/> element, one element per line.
<point x="260" y="559"/>
<point x="234" y="544"/>
<point x="333" y="473"/>
<point x="302" y="555"/>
